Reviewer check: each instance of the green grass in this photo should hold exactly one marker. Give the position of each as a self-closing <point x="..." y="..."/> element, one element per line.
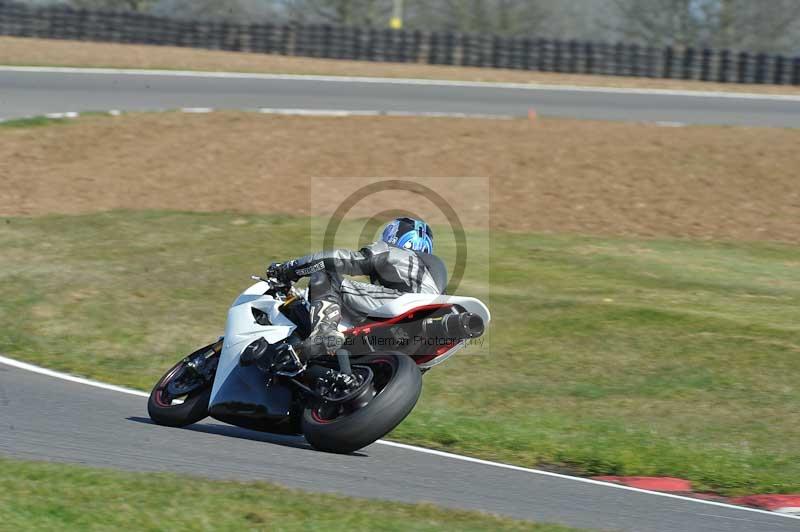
<point x="605" y="356"/>
<point x="39" y="121"/>
<point x="34" y="121"/>
<point x="37" y="496"/>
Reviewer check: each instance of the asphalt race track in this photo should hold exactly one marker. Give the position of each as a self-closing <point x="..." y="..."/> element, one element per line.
<point x="44" y="418"/>
<point x="27" y="92"/>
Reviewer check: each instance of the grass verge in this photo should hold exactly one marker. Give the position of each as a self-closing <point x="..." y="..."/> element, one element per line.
<point x="34" y="121"/>
<point x="44" y="52"/>
<point x="606" y="355"/>
<point x="37" y="496"/>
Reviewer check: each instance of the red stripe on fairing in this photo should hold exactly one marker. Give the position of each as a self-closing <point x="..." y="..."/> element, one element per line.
<point x="441" y="350"/>
<point x="367" y="327"/>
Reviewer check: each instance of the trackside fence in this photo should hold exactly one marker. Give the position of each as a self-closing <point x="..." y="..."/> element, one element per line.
<point x="401" y="46"/>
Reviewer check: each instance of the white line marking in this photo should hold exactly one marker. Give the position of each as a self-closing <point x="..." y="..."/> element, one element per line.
<point x="406" y="81"/>
<point x="369" y="112"/>
<point x="88" y="382"/>
<point x="68" y="114"/>
<point x="302" y="112"/>
<point x="196" y="109"/>
<point x="290" y="112"/>
<point x="437" y="114"/>
<point x="316" y="112"/>
<point x="576" y="479"/>
<point x="71" y="378"/>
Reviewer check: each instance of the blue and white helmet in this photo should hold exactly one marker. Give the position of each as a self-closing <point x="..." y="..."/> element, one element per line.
<point x="407" y="233"/>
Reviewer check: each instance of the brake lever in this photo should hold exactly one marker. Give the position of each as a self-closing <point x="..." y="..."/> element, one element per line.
<point x="272" y="281"/>
<point x="275" y="284"/>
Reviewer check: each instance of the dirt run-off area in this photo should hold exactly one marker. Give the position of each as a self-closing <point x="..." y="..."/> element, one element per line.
<point x="44" y="52"/>
<point x="548" y="176"/>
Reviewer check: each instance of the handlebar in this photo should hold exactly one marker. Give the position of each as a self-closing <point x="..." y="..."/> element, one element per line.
<point x="278" y="288"/>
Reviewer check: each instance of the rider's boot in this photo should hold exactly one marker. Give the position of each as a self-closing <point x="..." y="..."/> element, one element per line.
<point x="325" y="337"/>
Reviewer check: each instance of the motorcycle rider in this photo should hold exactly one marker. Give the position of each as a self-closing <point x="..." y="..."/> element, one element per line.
<point x="401" y="262"/>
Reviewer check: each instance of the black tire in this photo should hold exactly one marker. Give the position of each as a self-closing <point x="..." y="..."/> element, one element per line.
<point x="393" y="402"/>
<point x="193" y="409"/>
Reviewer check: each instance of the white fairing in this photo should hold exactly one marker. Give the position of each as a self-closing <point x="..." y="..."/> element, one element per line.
<point x="241" y="329"/>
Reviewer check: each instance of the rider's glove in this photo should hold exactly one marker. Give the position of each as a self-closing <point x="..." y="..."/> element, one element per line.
<point x="282" y="271"/>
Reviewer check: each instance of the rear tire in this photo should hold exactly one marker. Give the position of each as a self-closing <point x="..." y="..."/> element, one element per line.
<point x="194" y="407"/>
<point x="393" y="402"/>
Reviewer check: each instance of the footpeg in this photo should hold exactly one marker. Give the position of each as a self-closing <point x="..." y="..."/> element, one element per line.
<point x="279" y="359"/>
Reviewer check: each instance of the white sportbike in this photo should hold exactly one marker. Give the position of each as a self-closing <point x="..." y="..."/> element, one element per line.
<point x="252" y="376"/>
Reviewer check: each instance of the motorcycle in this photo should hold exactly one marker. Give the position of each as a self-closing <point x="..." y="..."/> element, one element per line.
<point x="253" y="377"/>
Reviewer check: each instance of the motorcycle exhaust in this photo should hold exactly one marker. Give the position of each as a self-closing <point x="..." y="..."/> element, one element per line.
<point x="454" y="327"/>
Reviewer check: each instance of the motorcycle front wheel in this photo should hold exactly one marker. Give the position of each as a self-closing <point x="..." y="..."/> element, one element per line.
<point x="181" y="396"/>
<point x="398" y="383"/>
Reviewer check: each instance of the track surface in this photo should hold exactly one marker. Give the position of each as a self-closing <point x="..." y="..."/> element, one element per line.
<point x="42" y="418"/>
<point x="32" y="93"/>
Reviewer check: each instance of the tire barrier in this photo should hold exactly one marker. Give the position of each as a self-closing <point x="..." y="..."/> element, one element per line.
<point x="400" y="46"/>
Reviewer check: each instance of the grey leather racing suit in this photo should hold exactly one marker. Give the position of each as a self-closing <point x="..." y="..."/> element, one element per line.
<point x="392" y="272"/>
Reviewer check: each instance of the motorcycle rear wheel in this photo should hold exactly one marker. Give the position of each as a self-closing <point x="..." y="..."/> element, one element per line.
<point x="184" y="410"/>
<point x="398" y="384"/>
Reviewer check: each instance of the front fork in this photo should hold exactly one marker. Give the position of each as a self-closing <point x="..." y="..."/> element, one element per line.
<point x="199" y="363"/>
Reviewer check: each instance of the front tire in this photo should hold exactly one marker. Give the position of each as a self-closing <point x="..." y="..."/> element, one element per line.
<point x="184" y="410"/>
<point x="398" y="384"/>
